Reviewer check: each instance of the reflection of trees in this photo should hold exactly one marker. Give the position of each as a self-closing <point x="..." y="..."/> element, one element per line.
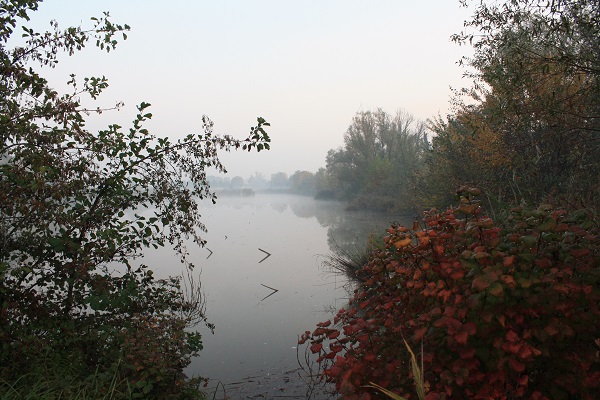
<point x="347" y="230"/>
<point x="279" y="206"/>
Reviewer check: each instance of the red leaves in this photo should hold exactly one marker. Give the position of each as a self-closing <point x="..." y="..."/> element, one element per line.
<point x="466" y="330"/>
<point x="543" y="263"/>
<point x="316" y="348"/>
<point x="579" y="253"/>
<point x="488" y="306"/>
<point x="333" y="335"/>
<point x="516" y="365"/>
<point x="350" y="329"/>
<point x="336" y="348"/>
<point x="419" y="334"/>
<point x="461" y="337"/>
<point x="319" y="331"/>
<point x="511" y="336"/>
<point x="484" y="281"/>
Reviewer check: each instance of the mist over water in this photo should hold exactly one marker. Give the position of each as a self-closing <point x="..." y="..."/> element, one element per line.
<point x="256" y="328"/>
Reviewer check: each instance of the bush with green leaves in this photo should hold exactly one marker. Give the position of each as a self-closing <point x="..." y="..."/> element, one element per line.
<point x="500" y="313"/>
<point x="76" y="206"/>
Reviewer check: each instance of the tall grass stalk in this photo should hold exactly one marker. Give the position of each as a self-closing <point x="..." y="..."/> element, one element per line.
<point x="417" y="372"/>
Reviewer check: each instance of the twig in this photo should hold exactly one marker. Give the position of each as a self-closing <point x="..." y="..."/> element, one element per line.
<point x="267" y="255"/>
<point x="269" y="287"/>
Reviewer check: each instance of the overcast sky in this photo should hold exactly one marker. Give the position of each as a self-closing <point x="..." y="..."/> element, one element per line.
<point x="306" y="66"/>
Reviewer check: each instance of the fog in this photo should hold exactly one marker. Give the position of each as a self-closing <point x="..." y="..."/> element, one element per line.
<point x="307" y="67"/>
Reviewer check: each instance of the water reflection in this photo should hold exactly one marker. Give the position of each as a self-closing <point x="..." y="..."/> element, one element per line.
<point x="346" y="230"/>
<point x="256" y="333"/>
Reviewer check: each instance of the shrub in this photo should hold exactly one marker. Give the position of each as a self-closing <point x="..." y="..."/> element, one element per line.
<point x="499" y="313"/>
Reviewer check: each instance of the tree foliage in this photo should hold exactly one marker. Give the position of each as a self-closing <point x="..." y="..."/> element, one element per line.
<point x="377" y="165"/>
<point x="77" y="206"/>
<point x="303" y="182"/>
<point x="531" y="130"/>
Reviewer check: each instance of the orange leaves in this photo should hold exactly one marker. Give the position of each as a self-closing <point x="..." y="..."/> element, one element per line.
<point x="468" y="209"/>
<point x="423" y="240"/>
<point x="400" y="229"/>
<point x="417" y="274"/>
<point x="508" y="261"/>
<point x="485" y="223"/>
<point x="403" y="243"/>
<point x="403" y="269"/>
<point x="509" y="281"/>
<point x="439" y="249"/>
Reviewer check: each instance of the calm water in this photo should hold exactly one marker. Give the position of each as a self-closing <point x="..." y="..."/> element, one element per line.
<point x="253" y="350"/>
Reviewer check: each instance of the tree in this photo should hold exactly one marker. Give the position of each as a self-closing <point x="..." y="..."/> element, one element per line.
<point x="302" y="182"/>
<point x="536" y="74"/>
<point x="257" y="181"/>
<point x="77" y="206"/>
<point x="377" y="165"/>
<point x="237" y="182"/>
<point x="279" y="180"/>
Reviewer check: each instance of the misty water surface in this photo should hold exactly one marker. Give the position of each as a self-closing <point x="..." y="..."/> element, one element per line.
<point x="257" y="336"/>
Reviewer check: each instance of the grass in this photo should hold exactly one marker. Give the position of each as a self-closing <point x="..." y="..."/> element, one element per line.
<point x="60" y="380"/>
<point x="350" y="261"/>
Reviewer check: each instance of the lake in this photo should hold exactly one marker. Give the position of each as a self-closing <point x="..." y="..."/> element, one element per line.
<point x="261" y="304"/>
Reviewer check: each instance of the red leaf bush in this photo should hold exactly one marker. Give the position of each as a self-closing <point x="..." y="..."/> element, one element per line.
<point x="500" y="313"/>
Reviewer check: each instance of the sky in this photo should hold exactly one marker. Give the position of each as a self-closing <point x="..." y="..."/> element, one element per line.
<point x="307" y="67"/>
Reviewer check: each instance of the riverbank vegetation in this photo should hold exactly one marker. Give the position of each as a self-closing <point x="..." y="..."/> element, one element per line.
<point x="494" y="312"/>
<point x="498" y="295"/>
<point x="79" y="317"/>
<point x="525" y="131"/>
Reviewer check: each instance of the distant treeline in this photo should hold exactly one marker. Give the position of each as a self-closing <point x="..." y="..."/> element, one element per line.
<point x="526" y="131"/>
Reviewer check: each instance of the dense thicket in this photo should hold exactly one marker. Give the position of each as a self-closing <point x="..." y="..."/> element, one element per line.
<point x="529" y="129"/>
<point x="492" y="313"/>
<point x="76" y="206"/>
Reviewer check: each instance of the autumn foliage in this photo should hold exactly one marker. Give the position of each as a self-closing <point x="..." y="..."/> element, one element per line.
<point x="492" y="312"/>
